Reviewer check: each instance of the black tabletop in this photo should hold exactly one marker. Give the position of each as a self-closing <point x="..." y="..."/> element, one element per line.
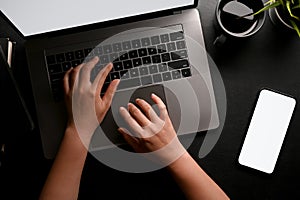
<point x="270" y="58"/>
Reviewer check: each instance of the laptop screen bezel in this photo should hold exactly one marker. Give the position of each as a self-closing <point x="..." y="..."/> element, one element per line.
<point x="99" y="24"/>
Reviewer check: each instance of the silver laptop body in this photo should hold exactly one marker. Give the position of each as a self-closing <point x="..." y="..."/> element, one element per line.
<point x="190" y="100"/>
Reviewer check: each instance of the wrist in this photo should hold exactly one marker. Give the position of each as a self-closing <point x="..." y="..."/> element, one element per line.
<point x="168" y="153"/>
<point x="73" y="140"/>
<point x="81" y="136"/>
<point x="185" y="157"/>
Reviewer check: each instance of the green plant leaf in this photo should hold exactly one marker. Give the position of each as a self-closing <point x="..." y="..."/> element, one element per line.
<point x="267" y="7"/>
<point x="281" y="2"/>
<point x="295" y="27"/>
<point x="296" y="4"/>
<point x="288" y="6"/>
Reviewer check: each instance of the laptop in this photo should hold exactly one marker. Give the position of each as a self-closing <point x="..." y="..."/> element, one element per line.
<point x="156" y="47"/>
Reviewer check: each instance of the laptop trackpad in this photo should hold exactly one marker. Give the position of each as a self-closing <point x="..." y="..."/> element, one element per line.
<point x="113" y="120"/>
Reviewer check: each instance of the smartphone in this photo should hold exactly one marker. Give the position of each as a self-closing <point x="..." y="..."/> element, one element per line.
<point x="267" y="129"/>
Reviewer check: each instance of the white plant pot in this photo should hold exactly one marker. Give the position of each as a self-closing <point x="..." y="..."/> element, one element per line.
<point x="278" y="20"/>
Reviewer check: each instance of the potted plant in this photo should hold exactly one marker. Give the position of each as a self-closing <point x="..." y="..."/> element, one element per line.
<point x="284" y="13"/>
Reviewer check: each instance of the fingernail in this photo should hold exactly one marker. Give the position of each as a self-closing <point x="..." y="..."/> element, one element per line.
<point x="121" y="109"/>
<point x="115" y="84"/>
<point x="117" y="81"/>
<point x="153" y="95"/>
<point x="138" y="99"/>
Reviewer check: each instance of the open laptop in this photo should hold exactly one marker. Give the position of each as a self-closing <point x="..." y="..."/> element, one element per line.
<point x="160" y="48"/>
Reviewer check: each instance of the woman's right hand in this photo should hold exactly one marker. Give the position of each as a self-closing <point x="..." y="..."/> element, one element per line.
<point x="151" y="134"/>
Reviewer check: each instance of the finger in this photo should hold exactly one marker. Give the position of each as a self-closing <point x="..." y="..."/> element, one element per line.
<point x="85" y="73"/>
<point x="110" y="92"/>
<point x="74" y="76"/>
<point x="66" y="81"/>
<point x="147" y="109"/>
<point x="101" y="76"/>
<point x="138" y="115"/>
<point x="131" y="122"/>
<point x="161" y="106"/>
<point x="132" y="141"/>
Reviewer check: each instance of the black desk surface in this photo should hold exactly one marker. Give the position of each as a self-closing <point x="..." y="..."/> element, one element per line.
<point x="268" y="59"/>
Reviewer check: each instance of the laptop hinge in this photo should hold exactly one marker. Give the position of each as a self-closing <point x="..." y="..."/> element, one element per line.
<point x="177" y="12"/>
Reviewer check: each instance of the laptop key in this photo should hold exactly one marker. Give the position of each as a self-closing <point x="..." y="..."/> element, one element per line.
<point x="146" y="80"/>
<point x="142" y="52"/>
<point x="152" y="51"/>
<point x="145" y="42"/>
<point x="166" y="76"/>
<point x="107" y="49"/>
<point x="157" y="78"/>
<point x="176" y="36"/>
<point x="69" y="56"/>
<point x="137" y="62"/>
<point x="75" y="63"/>
<point x="186" y="72"/>
<point x="60" y="58"/>
<point x="165" y="57"/>
<point x="180" y="45"/>
<point x="104" y="59"/>
<point x="117" y="47"/>
<point x="176" y="74"/>
<point x="144" y="71"/>
<point x="114" y="57"/>
<point x="123" y="55"/>
<point x="126" y="45"/>
<point x="66" y="66"/>
<point x="118" y="66"/>
<point x="129" y="83"/>
<point x="179" y="55"/>
<point x="127" y="64"/>
<point x="136" y="43"/>
<point x="124" y="74"/>
<point x="164" y="38"/>
<point x="79" y="54"/>
<point x="171" y="46"/>
<point x="162" y="67"/>
<point x="146" y="60"/>
<point x="134" y="72"/>
<point x="133" y="54"/>
<point x="162" y="48"/>
<point x="178" y="64"/>
<point x="115" y="75"/>
<point x="88" y="52"/>
<point x="56" y="68"/>
<point x="56" y="78"/>
<point x="155" y="40"/>
<point x="156" y="59"/>
<point x="50" y="60"/>
<point x="153" y="69"/>
<point x="98" y="51"/>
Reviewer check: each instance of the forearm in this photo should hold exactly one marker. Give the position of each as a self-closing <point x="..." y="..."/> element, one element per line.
<point x="64" y="178"/>
<point x="193" y="181"/>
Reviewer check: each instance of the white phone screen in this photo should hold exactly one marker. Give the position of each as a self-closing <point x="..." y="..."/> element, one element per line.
<point x="266" y="132"/>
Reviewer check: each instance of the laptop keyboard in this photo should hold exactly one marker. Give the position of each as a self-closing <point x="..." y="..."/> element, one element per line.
<point x="139" y="62"/>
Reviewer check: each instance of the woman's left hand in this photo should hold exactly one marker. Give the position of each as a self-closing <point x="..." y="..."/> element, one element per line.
<point x="86" y="109"/>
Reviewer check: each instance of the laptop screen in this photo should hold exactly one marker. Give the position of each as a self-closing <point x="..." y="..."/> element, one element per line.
<point x="39" y="16"/>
